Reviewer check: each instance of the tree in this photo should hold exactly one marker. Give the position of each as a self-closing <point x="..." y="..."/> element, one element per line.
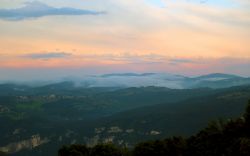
<point x="105" y="150"/>
<point x="244" y="146"/>
<point x="2" y="153"/>
<point x="247" y="115"/>
<point x="74" y="150"/>
<point x="150" y="148"/>
<point x="175" y="146"/>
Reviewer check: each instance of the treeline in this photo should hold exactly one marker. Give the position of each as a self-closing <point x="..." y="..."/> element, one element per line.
<point x="219" y="138"/>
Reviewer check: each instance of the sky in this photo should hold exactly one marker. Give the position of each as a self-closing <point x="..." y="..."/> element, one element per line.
<point x="59" y="38"/>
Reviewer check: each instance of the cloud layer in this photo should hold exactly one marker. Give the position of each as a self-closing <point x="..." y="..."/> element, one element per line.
<point x="38" y="9"/>
<point x="49" y="55"/>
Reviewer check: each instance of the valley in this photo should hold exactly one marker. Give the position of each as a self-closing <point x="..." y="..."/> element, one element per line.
<point x="39" y="120"/>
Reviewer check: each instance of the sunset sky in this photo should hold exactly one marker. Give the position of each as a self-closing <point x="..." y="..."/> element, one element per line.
<point x="58" y="38"/>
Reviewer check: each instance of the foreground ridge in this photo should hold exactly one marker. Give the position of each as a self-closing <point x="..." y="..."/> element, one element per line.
<point x="228" y="138"/>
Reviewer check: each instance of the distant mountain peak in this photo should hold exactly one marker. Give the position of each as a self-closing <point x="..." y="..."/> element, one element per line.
<point x="218" y="75"/>
<point x="127" y="74"/>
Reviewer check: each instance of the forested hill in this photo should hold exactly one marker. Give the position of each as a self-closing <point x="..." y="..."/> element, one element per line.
<point x="38" y="121"/>
<point x="219" y="138"/>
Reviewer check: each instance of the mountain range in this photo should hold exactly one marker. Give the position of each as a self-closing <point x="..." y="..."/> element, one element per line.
<point x="126" y="80"/>
<point x="37" y="119"/>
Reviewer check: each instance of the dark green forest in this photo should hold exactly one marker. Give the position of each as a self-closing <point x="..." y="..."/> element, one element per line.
<point x="219" y="138"/>
<point x="37" y="121"/>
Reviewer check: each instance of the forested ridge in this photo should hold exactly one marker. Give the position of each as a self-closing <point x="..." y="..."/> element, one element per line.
<point x="219" y="138"/>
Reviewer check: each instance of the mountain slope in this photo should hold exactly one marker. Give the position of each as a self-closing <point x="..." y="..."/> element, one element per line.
<point x="181" y="118"/>
<point x="54" y="115"/>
